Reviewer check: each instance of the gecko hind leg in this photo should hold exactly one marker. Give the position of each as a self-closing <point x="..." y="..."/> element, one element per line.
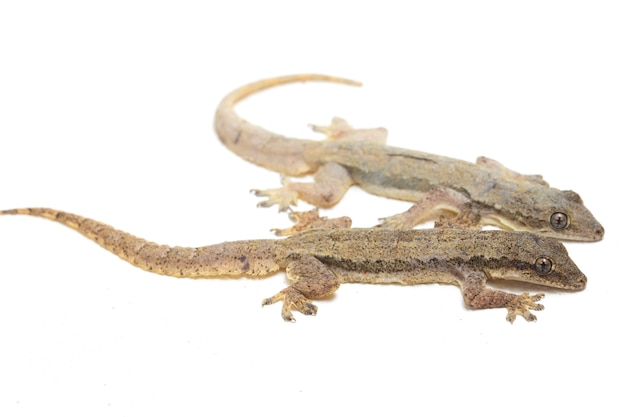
<point x="283" y="197"/>
<point x="330" y="183"/>
<point x="339" y="129"/>
<point x="312" y="279"/>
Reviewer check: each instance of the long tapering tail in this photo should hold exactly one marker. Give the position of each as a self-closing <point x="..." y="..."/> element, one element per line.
<point x="244" y="258"/>
<point x="262" y="147"/>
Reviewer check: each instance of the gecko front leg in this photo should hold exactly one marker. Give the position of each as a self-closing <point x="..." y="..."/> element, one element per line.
<point x="500" y="169"/>
<point x="436" y="203"/>
<point x="312" y="279"/>
<point x="283" y="197"/>
<point x="476" y="295"/>
<point x="330" y="183"/>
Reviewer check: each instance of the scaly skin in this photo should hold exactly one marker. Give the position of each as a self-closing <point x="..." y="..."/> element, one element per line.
<point x="318" y="261"/>
<point x="469" y="194"/>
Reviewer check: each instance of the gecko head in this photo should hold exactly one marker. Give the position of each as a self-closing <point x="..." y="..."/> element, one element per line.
<point x="539" y="260"/>
<point x="553" y="213"/>
<point x="569" y="219"/>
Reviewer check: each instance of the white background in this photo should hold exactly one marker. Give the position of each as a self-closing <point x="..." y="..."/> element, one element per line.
<point x="106" y="110"/>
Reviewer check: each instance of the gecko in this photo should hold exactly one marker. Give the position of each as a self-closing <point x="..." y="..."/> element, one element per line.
<point x="318" y="260"/>
<point x="485" y="193"/>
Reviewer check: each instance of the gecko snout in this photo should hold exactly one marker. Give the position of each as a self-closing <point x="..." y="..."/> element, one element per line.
<point x="579" y="283"/>
<point x="599" y="234"/>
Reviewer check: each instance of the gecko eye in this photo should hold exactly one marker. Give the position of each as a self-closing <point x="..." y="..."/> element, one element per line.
<point x="559" y="221"/>
<point x="544" y="265"/>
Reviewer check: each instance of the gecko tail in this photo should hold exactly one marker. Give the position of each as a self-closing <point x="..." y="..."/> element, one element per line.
<point x="254" y="87"/>
<point x="260" y="146"/>
<point x="47" y="213"/>
<point x="229" y="259"/>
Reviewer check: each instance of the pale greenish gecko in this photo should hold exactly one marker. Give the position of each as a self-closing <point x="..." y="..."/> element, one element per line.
<point x="471" y="195"/>
<point x="319" y="260"/>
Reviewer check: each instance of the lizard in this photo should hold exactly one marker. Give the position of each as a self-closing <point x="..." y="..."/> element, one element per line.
<point x="470" y="194"/>
<point x="318" y="260"/>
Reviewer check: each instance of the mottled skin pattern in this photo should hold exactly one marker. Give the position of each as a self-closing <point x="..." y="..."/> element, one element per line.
<point x="470" y="194"/>
<point x="317" y="261"/>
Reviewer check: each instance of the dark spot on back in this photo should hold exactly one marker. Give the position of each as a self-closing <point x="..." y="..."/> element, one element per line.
<point x="246" y="265"/>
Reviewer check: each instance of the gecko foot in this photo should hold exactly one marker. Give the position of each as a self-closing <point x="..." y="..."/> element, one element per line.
<point x="307" y="220"/>
<point x="292" y="300"/>
<point x="521" y="306"/>
<point x="282" y="197"/>
<point x="339" y="129"/>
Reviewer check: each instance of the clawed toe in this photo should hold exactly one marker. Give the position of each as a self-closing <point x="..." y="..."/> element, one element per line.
<point x="521" y="306"/>
<point x="397" y="222"/>
<point x="307" y="220"/>
<point x="292" y="300"/>
<point x="281" y="197"/>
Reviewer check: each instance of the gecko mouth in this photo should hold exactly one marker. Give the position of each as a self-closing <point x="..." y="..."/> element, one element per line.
<point x="591" y="236"/>
<point x="559" y="281"/>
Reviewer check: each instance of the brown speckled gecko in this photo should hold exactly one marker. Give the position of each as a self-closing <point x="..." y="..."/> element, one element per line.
<point x="472" y="195"/>
<point x="317" y="261"/>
